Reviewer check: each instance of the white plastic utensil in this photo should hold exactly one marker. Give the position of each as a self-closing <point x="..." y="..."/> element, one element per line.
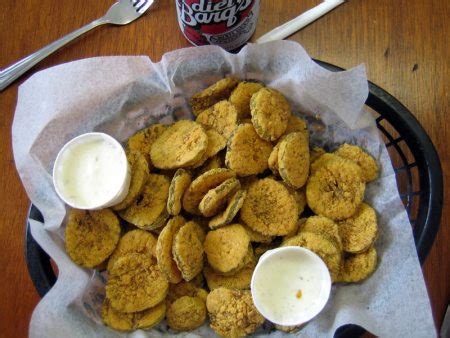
<point x="304" y="19"/>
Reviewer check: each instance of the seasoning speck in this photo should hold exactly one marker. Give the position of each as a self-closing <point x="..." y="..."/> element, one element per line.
<point x="298" y="294"/>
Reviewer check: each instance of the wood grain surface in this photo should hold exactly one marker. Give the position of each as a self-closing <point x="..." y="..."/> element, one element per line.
<point x="403" y="43"/>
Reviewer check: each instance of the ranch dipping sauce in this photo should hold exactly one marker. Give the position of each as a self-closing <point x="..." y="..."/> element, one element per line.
<point x="91" y="171"/>
<point x="290" y="285"/>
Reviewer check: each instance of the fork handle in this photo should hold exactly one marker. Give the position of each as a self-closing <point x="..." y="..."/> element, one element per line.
<point x="11" y="73"/>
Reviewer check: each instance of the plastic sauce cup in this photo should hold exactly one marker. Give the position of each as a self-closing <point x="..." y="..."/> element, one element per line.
<point x="290" y="285"/>
<point x="91" y="172"/>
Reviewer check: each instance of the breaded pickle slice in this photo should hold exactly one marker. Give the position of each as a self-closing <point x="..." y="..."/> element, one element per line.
<point x="323" y="226"/>
<point x="180" y="182"/>
<point x="269" y="208"/>
<point x="91" y="236"/>
<point x="233" y="207"/>
<point x="149" y="212"/>
<point x="201" y="185"/>
<point x="181" y="145"/>
<point x="139" y="241"/>
<point x="296" y="124"/>
<point x="222" y="117"/>
<point x="135" y="283"/>
<point x="239" y="280"/>
<point x="122" y="321"/>
<point x="143" y="140"/>
<point x="164" y="255"/>
<point x="187" y="249"/>
<point x="216" y="198"/>
<point x="212" y="163"/>
<point x="270" y="113"/>
<point x="359" y="231"/>
<point x="247" y="154"/>
<point x="359" y="267"/>
<point x="336" y="189"/>
<point x="356" y="154"/>
<point x="322" y="246"/>
<point x="139" y="175"/>
<point x="227" y="247"/>
<point x="186" y="313"/>
<point x="241" y="96"/>
<point x="232" y="312"/>
<point x="293" y="159"/>
<point x="219" y="91"/>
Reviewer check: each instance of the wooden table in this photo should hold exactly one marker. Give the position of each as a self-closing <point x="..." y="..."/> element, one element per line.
<point x="404" y="44"/>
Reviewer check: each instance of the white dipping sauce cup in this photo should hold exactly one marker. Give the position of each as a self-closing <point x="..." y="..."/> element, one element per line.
<point x="89" y="161"/>
<point x="290" y="285"/>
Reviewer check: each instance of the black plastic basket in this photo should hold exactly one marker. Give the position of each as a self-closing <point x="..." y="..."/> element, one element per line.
<point x="418" y="172"/>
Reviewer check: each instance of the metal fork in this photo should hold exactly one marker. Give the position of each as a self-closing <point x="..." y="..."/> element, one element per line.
<point x="121" y="13"/>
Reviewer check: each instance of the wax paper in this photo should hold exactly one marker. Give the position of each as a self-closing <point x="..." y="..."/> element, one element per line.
<point x="120" y="95"/>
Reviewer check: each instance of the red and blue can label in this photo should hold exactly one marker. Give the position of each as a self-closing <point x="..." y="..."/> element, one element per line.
<point x="226" y="23"/>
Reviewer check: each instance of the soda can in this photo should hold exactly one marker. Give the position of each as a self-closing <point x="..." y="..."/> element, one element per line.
<point x="226" y="23"/>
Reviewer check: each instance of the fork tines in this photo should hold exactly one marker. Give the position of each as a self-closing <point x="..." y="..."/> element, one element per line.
<point x="140" y="5"/>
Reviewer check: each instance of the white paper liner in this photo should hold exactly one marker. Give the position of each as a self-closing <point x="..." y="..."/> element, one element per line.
<point x="120" y="95"/>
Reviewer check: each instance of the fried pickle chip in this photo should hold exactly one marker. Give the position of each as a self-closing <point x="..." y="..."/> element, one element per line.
<point x="166" y="262"/>
<point x="212" y="163"/>
<point x="359" y="231"/>
<point x="186" y="313"/>
<point x="222" y="117"/>
<point x="358" y="267"/>
<point x="219" y="91"/>
<point x="181" y="145"/>
<point x="91" y="236"/>
<point x="233" y="207"/>
<point x="315" y="153"/>
<point x="227" y="247"/>
<point x="187" y="250"/>
<point x="336" y="189"/>
<point x="247" y="154"/>
<point x="241" y="95"/>
<point x="272" y="161"/>
<point x="248" y="259"/>
<point x="143" y="140"/>
<point x="116" y="320"/>
<point x="270" y="113"/>
<point x="139" y="241"/>
<point x="269" y="208"/>
<point x="367" y="163"/>
<point x="180" y="182"/>
<point x="201" y="185"/>
<point x="139" y="175"/>
<point x="320" y="161"/>
<point x="232" y="312"/>
<point x="149" y="212"/>
<point x="256" y="237"/>
<point x="122" y="321"/>
<point x="322" y="246"/>
<point x="293" y="159"/>
<point x="300" y="199"/>
<point x="135" y="283"/>
<point x="216" y="142"/>
<point x="186" y="289"/>
<point x="296" y="124"/>
<point x="147" y="319"/>
<point x="216" y="198"/>
<point x="323" y="226"/>
<point x="239" y="280"/>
